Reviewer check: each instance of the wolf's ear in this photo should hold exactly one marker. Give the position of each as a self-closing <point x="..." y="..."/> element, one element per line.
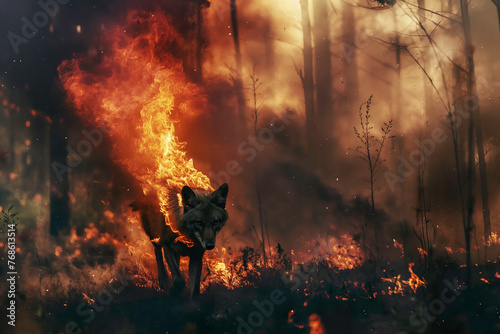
<point x="220" y="196"/>
<point x="189" y="200"/>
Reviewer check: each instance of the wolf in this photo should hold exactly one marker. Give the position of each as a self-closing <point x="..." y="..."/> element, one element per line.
<point x="192" y="229"/>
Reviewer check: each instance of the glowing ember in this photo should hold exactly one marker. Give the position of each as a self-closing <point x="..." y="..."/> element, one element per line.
<point x="290" y="320"/>
<point x="58" y="250"/>
<point x="422" y="252"/>
<point x="88" y="299"/>
<point x="398" y="245"/>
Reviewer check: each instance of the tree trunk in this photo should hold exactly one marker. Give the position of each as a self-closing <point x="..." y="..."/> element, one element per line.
<point x="256" y="170"/>
<point x="59" y="185"/>
<point x="425" y="61"/>
<point x="350" y="56"/>
<point x="473" y="105"/>
<point x="200" y="41"/>
<point x="470" y="196"/>
<point x="238" y="82"/>
<point x="12" y="139"/>
<point x="374" y="218"/>
<point x="261" y="218"/>
<point x="457" y="148"/>
<point x="396" y="114"/>
<point x="497" y="4"/>
<point x="308" y="82"/>
<point x="39" y="158"/>
<point x="322" y="70"/>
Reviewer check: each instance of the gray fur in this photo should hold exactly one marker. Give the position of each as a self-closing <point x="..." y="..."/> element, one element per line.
<point x="201" y="216"/>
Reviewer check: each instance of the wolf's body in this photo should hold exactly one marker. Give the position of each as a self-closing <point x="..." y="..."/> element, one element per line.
<point x="197" y="221"/>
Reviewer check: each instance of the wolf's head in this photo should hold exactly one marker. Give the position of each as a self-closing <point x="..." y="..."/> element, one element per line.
<point x="204" y="214"/>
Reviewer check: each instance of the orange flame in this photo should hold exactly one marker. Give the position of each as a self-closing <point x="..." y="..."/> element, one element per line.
<point x="396" y="287"/>
<point x="137" y="94"/>
<point x="493" y="239"/>
<point x="315" y="324"/>
<point x="414" y="282"/>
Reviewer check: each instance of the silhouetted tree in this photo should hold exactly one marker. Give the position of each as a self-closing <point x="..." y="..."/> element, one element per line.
<point x="308" y="81"/>
<point x="422" y="19"/>
<point x="255" y="115"/>
<point x="349" y="52"/>
<point x="200" y="39"/>
<point x="322" y="71"/>
<point x="370" y="150"/>
<point x="473" y="106"/>
<point x="422" y="230"/>
<point x="497" y="4"/>
<point x="237" y="80"/>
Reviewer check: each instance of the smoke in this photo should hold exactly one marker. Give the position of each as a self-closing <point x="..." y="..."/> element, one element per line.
<point x="292" y="207"/>
<point x="299" y="202"/>
<point x="271" y="38"/>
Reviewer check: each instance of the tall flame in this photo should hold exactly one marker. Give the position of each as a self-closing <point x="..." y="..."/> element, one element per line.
<point x="139" y="94"/>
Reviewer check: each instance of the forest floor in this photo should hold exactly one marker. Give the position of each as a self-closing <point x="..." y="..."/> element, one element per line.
<point x="323" y="300"/>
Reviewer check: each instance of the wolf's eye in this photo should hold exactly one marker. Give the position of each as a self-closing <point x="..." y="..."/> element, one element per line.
<point x="198" y="223"/>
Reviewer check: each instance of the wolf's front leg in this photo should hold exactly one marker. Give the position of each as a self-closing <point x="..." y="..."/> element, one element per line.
<point x="173" y="263"/>
<point x="195" y="266"/>
<point x="162" y="272"/>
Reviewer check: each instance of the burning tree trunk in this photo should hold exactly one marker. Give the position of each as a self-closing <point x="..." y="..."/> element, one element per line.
<point x="473" y="105"/>
<point x="322" y="70"/>
<point x="238" y="84"/>
<point x="308" y="81"/>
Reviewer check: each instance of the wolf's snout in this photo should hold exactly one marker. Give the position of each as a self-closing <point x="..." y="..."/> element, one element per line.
<point x="210" y="245"/>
